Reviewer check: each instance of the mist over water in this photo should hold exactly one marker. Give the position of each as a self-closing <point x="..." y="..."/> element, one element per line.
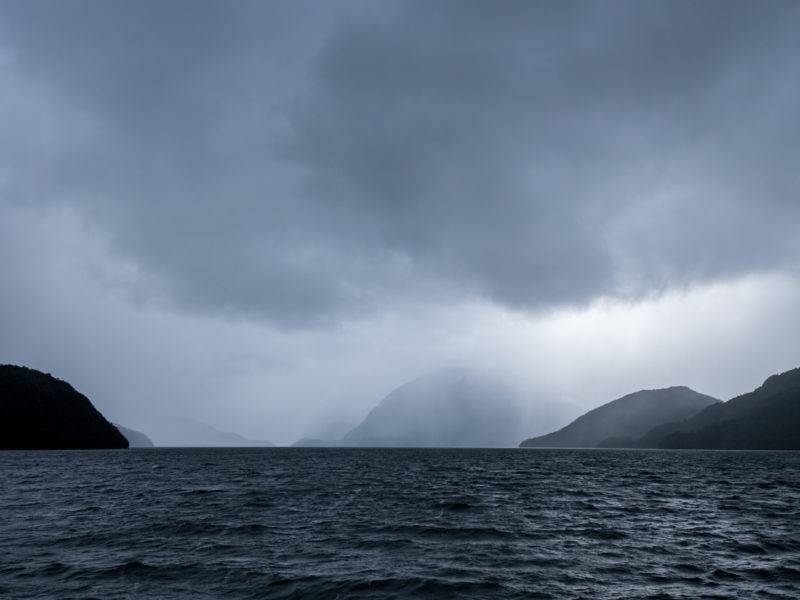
<point x="378" y="523"/>
<point x="456" y="407"/>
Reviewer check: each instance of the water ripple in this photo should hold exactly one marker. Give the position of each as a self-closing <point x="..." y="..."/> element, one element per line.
<point x="366" y="523"/>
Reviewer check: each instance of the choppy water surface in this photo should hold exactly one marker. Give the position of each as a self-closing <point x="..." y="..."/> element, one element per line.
<point x="274" y="523"/>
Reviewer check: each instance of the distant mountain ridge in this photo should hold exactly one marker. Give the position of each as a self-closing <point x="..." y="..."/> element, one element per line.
<point x="325" y="435"/>
<point x="188" y="433"/>
<point x="620" y="421"/>
<point x="136" y="439"/>
<point x="39" y="411"/>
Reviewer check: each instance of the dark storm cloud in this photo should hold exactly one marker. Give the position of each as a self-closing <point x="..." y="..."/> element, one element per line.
<point x="305" y="161"/>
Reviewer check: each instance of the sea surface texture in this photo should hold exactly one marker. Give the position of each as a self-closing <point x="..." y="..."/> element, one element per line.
<point x="394" y="523"/>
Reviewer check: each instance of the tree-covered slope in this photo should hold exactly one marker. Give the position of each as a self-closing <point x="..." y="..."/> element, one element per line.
<point x="767" y="418"/>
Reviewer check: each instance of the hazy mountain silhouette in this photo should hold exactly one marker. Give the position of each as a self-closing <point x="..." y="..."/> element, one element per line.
<point x="620" y="421"/>
<point x="316" y="443"/>
<point x="326" y="434"/>
<point x="184" y="432"/>
<point x="136" y="439"/>
<point x="38" y="411"/>
<point x="452" y="407"/>
<point x="767" y="418"/>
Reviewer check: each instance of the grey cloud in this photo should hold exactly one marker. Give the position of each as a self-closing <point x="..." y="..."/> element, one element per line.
<point x="517" y="153"/>
<point x="303" y="162"/>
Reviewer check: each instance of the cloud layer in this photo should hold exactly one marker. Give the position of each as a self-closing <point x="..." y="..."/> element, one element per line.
<point x="305" y="163"/>
<point x="296" y="206"/>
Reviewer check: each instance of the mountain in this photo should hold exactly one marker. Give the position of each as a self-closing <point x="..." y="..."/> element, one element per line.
<point x="452" y="407"/>
<point x="38" y="411"/>
<point x="136" y="439"/>
<point x="184" y="432"/>
<point x="620" y="421"/>
<point x="767" y="418"/>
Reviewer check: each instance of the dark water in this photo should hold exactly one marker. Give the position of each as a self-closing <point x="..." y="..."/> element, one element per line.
<point x="306" y="523"/>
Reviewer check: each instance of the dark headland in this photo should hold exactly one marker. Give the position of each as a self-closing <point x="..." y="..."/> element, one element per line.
<point x="38" y="411"/>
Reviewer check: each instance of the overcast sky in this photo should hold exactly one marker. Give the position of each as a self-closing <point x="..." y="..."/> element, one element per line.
<point x="267" y="215"/>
